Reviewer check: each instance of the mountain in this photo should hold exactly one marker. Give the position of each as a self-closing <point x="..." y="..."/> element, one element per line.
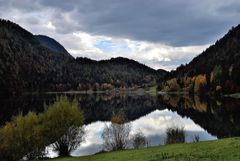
<point x="215" y="71"/>
<point x="37" y="63"/>
<point x="116" y="72"/>
<point x="50" y="43"/>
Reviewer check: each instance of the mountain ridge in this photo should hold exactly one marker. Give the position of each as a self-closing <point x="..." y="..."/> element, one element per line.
<point x="29" y="63"/>
<point x="50" y="43"/>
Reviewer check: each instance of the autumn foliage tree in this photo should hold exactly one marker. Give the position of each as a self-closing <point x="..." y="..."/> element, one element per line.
<point x="21" y="137"/>
<point x="65" y="118"/>
<point x="200" y="84"/>
<point x="27" y="136"/>
<point x="219" y="64"/>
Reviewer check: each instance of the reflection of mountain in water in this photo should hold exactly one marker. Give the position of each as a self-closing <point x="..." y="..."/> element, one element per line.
<point x="101" y="107"/>
<point x="96" y="107"/>
<point x="218" y="117"/>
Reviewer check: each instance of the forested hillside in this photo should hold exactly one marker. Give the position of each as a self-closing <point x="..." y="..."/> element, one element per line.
<point x="215" y="71"/>
<point x="37" y="63"/>
<point x="50" y="43"/>
<point x="116" y="72"/>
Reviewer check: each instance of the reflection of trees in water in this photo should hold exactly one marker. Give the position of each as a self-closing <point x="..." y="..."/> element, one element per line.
<point x="95" y="107"/>
<point x="12" y="106"/>
<point x="185" y="101"/>
<point x="219" y="117"/>
<point x="102" y="108"/>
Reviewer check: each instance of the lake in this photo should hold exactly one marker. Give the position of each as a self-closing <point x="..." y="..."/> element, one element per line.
<point x="208" y="118"/>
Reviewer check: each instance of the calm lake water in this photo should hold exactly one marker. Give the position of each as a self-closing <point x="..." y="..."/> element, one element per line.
<point x="208" y="118"/>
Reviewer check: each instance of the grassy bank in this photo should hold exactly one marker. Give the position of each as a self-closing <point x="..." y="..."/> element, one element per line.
<point x="220" y="150"/>
<point x="152" y="91"/>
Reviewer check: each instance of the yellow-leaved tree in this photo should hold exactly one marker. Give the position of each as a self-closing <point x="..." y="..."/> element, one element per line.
<point x="200" y="83"/>
<point x="27" y="136"/>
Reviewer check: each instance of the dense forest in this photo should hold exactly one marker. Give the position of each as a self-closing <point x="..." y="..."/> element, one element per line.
<point x="37" y="63"/>
<point x="215" y="71"/>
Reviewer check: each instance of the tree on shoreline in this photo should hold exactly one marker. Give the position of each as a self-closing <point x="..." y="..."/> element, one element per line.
<point x="175" y="135"/>
<point x="139" y="140"/>
<point x="116" y="135"/>
<point x="27" y="136"/>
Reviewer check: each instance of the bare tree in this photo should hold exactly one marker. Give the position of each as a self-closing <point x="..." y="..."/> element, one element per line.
<point x="116" y="135"/>
<point x="139" y="140"/>
<point x="196" y="138"/>
<point x="175" y="135"/>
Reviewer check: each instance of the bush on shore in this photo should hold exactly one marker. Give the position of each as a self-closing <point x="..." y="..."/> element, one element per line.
<point x="175" y="135"/>
<point x="27" y="136"/>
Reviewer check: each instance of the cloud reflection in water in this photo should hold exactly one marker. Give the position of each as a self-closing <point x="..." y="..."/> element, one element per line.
<point x="153" y="126"/>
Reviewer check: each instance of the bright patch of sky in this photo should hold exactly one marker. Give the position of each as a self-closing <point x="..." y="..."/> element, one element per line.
<point x="110" y="46"/>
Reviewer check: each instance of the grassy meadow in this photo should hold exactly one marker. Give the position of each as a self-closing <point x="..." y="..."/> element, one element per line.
<point x="219" y="150"/>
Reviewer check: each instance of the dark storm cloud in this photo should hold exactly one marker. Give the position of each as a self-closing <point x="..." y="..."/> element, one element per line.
<point x="176" y="23"/>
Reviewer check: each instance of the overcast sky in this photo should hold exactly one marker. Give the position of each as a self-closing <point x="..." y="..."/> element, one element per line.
<point x="158" y="33"/>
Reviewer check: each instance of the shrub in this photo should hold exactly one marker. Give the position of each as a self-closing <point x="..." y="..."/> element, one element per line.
<point x="69" y="141"/>
<point x="65" y="118"/>
<point x="196" y="138"/>
<point x="175" y="135"/>
<point x="139" y="140"/>
<point x="27" y="136"/>
<point x="21" y="137"/>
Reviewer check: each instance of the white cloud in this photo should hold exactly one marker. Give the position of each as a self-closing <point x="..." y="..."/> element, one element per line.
<point x="50" y="26"/>
<point x="50" y="21"/>
<point x="155" y="55"/>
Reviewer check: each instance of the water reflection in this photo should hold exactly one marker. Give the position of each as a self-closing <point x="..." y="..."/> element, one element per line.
<point x="206" y="117"/>
<point x="220" y="117"/>
<point x="96" y="107"/>
<point x="153" y="126"/>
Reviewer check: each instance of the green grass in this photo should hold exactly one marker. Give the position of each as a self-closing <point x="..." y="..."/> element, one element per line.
<point x="152" y="91"/>
<point x="220" y="150"/>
